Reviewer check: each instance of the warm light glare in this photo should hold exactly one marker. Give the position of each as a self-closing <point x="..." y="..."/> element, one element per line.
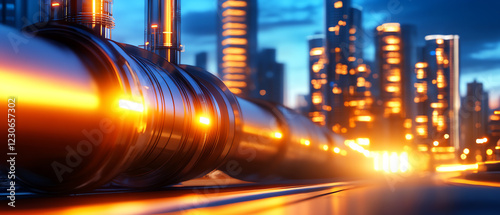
<point x="204" y="120"/>
<point x="435" y="143"/>
<point x="489" y="152"/>
<point x="42" y="91"/>
<point x="385" y="161"/>
<point x="130" y="105"/>
<point x="394" y="162"/>
<point x="336" y="150"/>
<point x="482" y="141"/>
<point x="278" y="135"/>
<point x="338" y="4"/>
<point x="456" y="167"/>
<point x="363" y="141"/>
<point x="55" y="4"/>
<point x="404" y="163"/>
<point x="466" y="151"/>
<point x="325" y="147"/>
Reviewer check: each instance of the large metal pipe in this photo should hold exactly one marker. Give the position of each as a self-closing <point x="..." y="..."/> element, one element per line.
<point x="163" y="29"/>
<point x="91" y="110"/>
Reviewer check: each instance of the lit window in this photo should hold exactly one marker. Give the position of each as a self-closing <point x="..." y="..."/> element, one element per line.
<point x="234" y="12"/>
<point x="338" y="4"/>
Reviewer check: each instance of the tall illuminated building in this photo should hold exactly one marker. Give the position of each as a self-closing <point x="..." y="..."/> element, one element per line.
<point x="395" y="61"/>
<point x="474" y="113"/>
<point x="494" y="131"/>
<point x="337" y="53"/>
<point x="442" y="58"/>
<point x="355" y="38"/>
<point x="318" y="80"/>
<point x="422" y="101"/>
<point x="269" y="78"/>
<point x="237" y="44"/>
<point x="361" y="101"/>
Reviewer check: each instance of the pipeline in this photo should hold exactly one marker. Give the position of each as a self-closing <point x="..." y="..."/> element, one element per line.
<point x="90" y="111"/>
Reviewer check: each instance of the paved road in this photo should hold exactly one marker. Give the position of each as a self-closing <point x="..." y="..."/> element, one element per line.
<point x="430" y="194"/>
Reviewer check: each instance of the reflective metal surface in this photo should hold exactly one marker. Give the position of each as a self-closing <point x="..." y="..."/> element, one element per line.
<point x="163" y="28"/>
<point x="94" y="14"/>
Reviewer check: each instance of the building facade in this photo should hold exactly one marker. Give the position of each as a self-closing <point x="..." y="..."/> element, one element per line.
<point x="442" y="58"/>
<point x="337" y="43"/>
<point x="201" y="60"/>
<point x="395" y="59"/>
<point x="474" y="114"/>
<point x="270" y="78"/>
<point x="237" y="45"/>
<point x="318" y="80"/>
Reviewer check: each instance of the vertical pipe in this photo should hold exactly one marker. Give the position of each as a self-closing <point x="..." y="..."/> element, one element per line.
<point x="94" y="14"/>
<point x="163" y="29"/>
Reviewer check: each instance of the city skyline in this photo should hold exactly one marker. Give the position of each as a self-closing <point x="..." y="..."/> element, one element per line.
<point x="480" y="47"/>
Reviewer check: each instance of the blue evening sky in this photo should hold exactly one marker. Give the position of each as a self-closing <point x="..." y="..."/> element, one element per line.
<point x="286" y="24"/>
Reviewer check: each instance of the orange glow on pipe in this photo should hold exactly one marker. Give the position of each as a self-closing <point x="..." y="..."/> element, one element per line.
<point x="55" y="4"/>
<point x="204" y="120"/>
<point x="167" y="34"/>
<point x="93" y="13"/>
<point x="48" y="93"/>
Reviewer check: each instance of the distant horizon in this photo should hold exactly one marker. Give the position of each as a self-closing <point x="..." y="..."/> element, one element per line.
<point x="479" y="38"/>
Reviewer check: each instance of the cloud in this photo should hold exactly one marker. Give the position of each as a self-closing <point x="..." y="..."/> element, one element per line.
<point x="491" y="52"/>
<point x="272" y="16"/>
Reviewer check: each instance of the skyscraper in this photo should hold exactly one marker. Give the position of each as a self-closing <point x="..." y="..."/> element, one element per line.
<point x="474" y="120"/>
<point x="237" y="44"/>
<point x="318" y="80"/>
<point x="269" y="79"/>
<point x="355" y="38"/>
<point x="337" y="69"/>
<point x="201" y="60"/>
<point x="442" y="58"/>
<point x="423" y="110"/>
<point x="395" y="60"/>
